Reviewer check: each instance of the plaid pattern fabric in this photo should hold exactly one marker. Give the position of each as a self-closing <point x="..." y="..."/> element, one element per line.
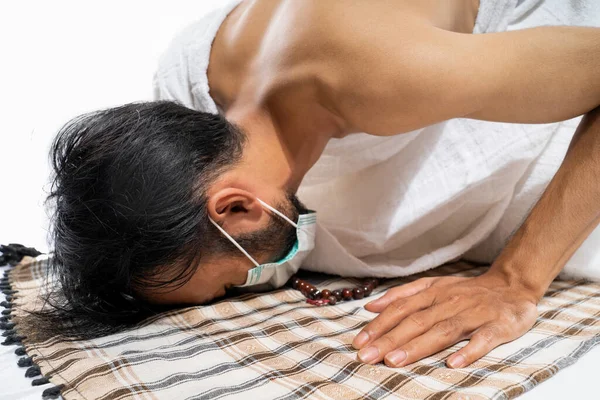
<point x="275" y="346"/>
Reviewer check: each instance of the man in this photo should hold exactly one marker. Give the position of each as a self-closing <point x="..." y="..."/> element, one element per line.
<point x="165" y="205"/>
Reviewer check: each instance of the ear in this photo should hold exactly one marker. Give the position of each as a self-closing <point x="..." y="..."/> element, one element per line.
<point x="236" y="210"/>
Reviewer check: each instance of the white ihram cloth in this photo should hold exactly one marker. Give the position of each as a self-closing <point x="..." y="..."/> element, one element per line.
<point x="394" y="206"/>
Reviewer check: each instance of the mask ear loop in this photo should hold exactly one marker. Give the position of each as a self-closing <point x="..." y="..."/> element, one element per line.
<point x="234" y="242"/>
<point x="282" y="215"/>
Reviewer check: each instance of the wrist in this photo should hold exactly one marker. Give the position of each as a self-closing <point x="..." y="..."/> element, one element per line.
<point x="513" y="274"/>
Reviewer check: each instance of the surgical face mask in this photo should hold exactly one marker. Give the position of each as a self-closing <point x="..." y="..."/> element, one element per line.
<point x="276" y="274"/>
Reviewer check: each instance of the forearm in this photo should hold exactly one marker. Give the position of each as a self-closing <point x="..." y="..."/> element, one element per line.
<point x="565" y="215"/>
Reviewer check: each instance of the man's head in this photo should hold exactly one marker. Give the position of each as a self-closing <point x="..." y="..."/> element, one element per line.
<point x="134" y="186"/>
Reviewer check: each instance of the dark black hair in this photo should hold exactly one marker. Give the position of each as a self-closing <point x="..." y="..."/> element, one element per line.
<point x="129" y="202"/>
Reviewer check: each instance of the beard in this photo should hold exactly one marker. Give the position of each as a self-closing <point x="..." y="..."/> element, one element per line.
<point x="277" y="239"/>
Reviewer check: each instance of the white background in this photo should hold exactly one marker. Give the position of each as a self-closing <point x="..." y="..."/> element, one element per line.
<point x="62" y="58"/>
<point x="59" y="59"/>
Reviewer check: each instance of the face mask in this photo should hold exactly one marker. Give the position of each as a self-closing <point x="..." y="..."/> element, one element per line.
<point x="276" y="274"/>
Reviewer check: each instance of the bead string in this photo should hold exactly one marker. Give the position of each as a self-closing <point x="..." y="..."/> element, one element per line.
<point x="324" y="297"/>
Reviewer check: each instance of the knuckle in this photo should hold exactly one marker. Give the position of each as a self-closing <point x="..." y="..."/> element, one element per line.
<point x="417" y="320"/>
<point x="526" y="312"/>
<point x="489" y="335"/>
<point x="449" y="327"/>
<point x="398" y="306"/>
<point x="454" y="299"/>
<point x="443" y="328"/>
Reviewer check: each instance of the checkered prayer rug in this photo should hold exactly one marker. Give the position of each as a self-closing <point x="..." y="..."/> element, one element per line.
<point x="276" y="346"/>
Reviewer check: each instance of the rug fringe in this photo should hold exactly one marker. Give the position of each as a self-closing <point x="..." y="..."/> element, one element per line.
<point x="7" y="325"/>
<point x="20" y="351"/>
<point x="12" y="254"/>
<point x="52" y="392"/>
<point x="9" y="332"/>
<point x="40" y="381"/>
<point x="25" y="362"/>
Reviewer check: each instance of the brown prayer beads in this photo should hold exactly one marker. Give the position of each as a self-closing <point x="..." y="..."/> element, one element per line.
<point x="332" y="297"/>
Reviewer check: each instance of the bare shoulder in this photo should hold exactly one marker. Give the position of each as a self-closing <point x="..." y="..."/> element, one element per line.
<point x="336" y="39"/>
<point x="301" y="29"/>
<point x="379" y="66"/>
<point x="303" y="42"/>
<point x="356" y="51"/>
<point x="319" y="27"/>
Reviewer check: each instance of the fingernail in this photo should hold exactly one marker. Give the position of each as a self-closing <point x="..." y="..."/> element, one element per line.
<point x="396" y="357"/>
<point x="361" y="339"/>
<point x="457" y="361"/>
<point x="369" y="354"/>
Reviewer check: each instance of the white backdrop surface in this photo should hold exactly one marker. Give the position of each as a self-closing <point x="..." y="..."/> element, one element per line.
<point x="62" y="58"/>
<point x="59" y="59"/>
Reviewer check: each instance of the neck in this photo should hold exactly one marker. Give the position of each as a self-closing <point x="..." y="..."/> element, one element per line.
<point x="290" y="129"/>
<point x="280" y="157"/>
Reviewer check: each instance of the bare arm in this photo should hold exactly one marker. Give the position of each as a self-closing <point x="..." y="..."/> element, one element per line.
<point x="425" y="75"/>
<point x="567" y="213"/>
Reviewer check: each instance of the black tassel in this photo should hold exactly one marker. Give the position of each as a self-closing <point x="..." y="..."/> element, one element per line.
<point x="52" y="393"/>
<point x="20" y="351"/>
<point x="9" y="332"/>
<point x="13" y="340"/>
<point x="14" y="252"/>
<point x="25" y="362"/>
<point x="40" y="381"/>
<point x="7" y="325"/>
<point x="33" y="371"/>
<point x="25" y="251"/>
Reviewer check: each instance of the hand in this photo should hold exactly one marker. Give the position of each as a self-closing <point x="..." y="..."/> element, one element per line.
<point x="428" y="315"/>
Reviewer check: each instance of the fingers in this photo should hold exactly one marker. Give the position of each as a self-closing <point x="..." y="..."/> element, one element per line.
<point x="438" y="325"/>
<point x="507" y="326"/>
<point x="445" y="312"/>
<point x="441" y="336"/>
<point x="406" y="290"/>
<point x="392" y="316"/>
<point x="483" y="340"/>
